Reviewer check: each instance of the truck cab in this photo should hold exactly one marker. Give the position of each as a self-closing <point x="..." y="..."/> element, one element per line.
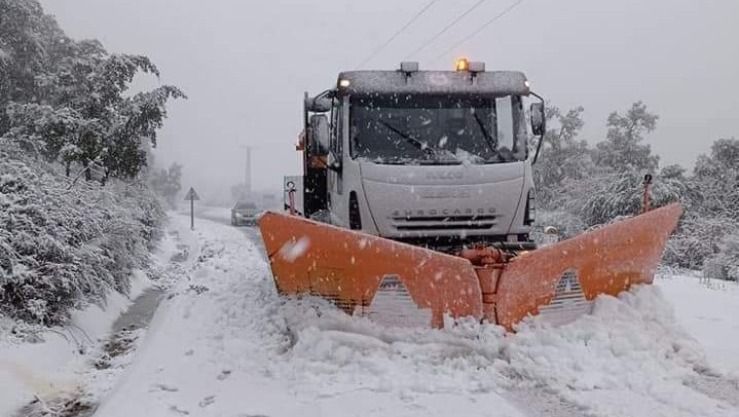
<point x="441" y="159"/>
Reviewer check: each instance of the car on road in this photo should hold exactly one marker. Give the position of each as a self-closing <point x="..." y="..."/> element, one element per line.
<point x="244" y="213"/>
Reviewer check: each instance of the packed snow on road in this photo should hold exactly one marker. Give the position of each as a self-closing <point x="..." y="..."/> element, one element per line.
<point x="223" y="343"/>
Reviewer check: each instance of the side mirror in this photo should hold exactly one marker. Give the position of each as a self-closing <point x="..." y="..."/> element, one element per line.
<point x="320" y="103"/>
<point x="538" y="120"/>
<point x="318" y="141"/>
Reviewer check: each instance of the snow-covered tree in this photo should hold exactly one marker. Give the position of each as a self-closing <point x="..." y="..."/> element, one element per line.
<point x="563" y="156"/>
<point x="623" y="149"/>
<point x="168" y="183"/>
<point x="22" y="23"/>
<point x="717" y="176"/>
<point x="66" y="100"/>
<point x="579" y="187"/>
<point x="65" y="109"/>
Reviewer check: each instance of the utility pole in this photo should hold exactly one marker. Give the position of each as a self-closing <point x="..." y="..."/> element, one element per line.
<point x="247" y="171"/>
<point x="247" y="179"/>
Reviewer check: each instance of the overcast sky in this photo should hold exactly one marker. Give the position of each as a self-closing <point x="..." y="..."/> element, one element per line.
<point x="245" y="64"/>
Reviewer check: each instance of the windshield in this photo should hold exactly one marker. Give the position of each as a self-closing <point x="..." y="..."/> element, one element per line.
<point x="430" y="129"/>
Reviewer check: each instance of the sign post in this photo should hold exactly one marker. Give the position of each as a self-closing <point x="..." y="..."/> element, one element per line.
<point x="192" y="196"/>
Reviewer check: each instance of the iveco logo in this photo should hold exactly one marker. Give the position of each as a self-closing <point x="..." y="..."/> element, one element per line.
<point x="442" y="194"/>
<point x="444" y="175"/>
<point x="444" y="212"/>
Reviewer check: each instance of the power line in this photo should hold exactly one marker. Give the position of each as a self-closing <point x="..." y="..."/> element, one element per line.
<point x="397" y="33"/>
<point x="446" y="28"/>
<point x="481" y="28"/>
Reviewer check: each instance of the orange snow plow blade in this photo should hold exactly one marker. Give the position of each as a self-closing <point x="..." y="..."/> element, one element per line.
<point x="350" y="268"/>
<point x="604" y="261"/>
<point x="399" y="284"/>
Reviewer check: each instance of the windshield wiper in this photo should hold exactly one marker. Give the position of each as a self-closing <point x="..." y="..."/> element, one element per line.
<point x="410" y="139"/>
<point x="488" y="139"/>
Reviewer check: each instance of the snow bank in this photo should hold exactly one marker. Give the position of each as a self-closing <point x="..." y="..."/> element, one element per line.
<point x="56" y="363"/>
<point x="629" y="358"/>
<point x="47" y="362"/>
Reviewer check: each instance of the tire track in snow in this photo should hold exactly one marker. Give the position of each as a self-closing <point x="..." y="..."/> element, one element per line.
<point x="716" y="386"/>
<point x="539" y="401"/>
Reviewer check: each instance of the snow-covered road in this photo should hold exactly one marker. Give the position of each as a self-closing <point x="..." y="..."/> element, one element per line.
<point x="225" y="344"/>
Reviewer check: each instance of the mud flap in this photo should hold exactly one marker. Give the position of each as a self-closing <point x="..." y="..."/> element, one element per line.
<point x="559" y="280"/>
<point x="349" y="268"/>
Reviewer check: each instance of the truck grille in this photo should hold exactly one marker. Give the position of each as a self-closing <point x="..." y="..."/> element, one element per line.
<point x="427" y="223"/>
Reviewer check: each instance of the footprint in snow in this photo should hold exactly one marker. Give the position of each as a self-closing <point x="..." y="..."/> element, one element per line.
<point x="179" y="410"/>
<point x="207" y="401"/>
<point x="163" y="387"/>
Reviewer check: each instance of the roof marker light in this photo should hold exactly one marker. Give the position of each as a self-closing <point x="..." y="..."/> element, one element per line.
<point x="476" y="67"/>
<point x="408" y="67"/>
<point x="344" y="83"/>
<point x="527" y="83"/>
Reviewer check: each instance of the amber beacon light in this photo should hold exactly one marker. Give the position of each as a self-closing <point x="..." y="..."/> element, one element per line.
<point x="463" y="64"/>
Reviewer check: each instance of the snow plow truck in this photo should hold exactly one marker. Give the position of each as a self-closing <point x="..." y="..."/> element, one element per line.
<point x="418" y="201"/>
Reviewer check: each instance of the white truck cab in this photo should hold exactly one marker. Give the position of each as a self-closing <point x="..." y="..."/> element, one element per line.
<point x="434" y="158"/>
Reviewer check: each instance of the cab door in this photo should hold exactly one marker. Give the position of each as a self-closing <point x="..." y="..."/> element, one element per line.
<point x="337" y="200"/>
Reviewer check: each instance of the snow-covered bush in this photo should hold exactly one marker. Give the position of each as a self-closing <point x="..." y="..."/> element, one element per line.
<point x="725" y="264"/>
<point x="64" y="244"/>
<point x="697" y="239"/>
<point x="601" y="198"/>
<point x="707" y="236"/>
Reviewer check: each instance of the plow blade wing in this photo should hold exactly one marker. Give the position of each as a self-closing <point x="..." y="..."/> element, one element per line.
<point x="391" y="282"/>
<point x="561" y="279"/>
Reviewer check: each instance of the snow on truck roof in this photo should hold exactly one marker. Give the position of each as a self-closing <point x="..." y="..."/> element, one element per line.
<point x="433" y="82"/>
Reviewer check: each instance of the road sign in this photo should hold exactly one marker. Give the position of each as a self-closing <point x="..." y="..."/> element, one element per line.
<point x="192" y="196"/>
